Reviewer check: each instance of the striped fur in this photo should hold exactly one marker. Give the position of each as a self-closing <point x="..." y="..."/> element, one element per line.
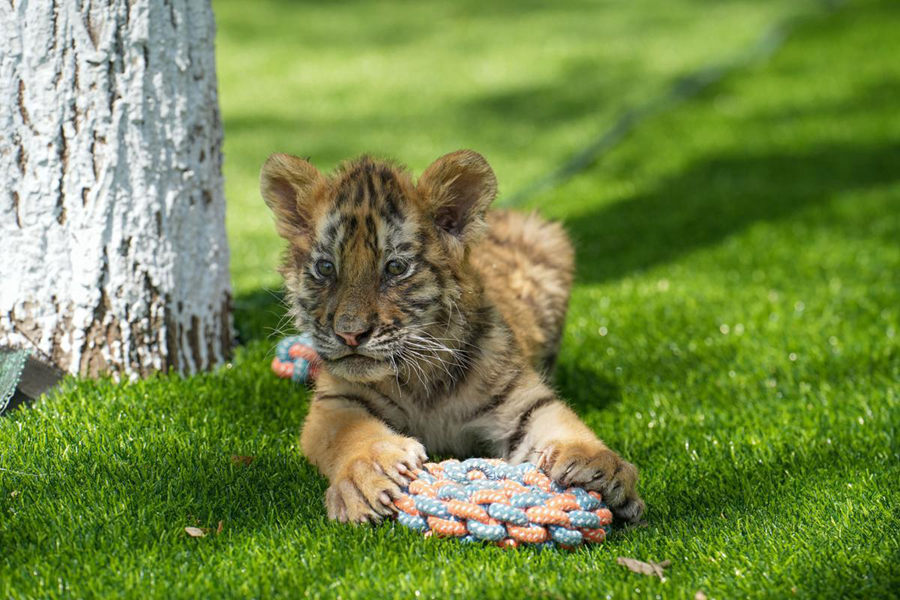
<point x="453" y="352"/>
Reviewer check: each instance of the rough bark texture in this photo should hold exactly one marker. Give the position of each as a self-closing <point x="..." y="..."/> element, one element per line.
<point x="113" y="255"/>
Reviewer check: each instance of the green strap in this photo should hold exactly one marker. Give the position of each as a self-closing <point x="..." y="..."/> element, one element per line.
<point x="12" y="362"/>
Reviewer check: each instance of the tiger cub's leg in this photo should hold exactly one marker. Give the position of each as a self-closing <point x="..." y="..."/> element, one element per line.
<point x="364" y="460"/>
<point x="538" y="427"/>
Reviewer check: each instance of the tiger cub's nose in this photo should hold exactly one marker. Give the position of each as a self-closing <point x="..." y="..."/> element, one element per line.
<point x="354" y="338"/>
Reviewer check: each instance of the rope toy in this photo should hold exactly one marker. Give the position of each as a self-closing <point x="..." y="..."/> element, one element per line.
<point x="490" y="500"/>
<point x="296" y="359"/>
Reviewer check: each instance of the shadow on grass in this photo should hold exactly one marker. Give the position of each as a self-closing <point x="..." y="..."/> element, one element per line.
<point x="710" y="201"/>
<point x="259" y="315"/>
<point x="872" y="98"/>
<point x="585" y="390"/>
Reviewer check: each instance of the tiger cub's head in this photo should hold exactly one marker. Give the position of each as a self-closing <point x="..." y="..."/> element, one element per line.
<point x="376" y="268"/>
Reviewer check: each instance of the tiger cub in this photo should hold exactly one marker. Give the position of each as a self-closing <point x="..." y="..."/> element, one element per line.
<point x="437" y="322"/>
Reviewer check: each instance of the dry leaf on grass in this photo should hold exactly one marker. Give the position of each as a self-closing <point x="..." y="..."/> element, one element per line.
<point x="644" y="568"/>
<point x="242" y="460"/>
<point x="220" y="527"/>
<point x="195" y="531"/>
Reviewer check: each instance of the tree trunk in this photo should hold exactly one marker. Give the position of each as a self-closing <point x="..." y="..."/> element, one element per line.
<point x="113" y="255"/>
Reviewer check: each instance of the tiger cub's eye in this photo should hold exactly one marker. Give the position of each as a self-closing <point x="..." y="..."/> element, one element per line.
<point x="396" y="267"/>
<point x="325" y="268"/>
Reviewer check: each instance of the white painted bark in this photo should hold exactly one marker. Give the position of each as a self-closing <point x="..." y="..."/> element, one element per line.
<point x="113" y="255"/>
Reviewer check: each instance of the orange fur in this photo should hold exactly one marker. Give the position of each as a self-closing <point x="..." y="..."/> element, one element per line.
<point x="449" y="351"/>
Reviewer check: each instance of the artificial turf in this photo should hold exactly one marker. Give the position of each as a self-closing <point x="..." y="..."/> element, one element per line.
<point x="733" y="330"/>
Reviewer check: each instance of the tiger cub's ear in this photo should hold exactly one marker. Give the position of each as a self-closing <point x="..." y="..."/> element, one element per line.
<point x="287" y="184"/>
<point x="459" y="187"/>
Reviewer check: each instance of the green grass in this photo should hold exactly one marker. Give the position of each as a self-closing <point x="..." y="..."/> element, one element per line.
<point x="525" y="82"/>
<point x="734" y="328"/>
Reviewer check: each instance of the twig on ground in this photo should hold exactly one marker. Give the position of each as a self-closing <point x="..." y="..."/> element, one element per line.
<point x="644" y="568"/>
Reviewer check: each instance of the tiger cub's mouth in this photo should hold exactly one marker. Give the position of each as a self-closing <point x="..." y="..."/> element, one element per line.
<point x="359" y="367"/>
<point x="354" y="359"/>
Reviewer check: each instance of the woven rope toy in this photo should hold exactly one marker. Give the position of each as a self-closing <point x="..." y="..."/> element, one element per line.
<point x="490" y="500"/>
<point x="296" y="359"/>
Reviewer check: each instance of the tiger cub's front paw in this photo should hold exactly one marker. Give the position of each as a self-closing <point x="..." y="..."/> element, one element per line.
<point x="365" y="486"/>
<point x="593" y="466"/>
